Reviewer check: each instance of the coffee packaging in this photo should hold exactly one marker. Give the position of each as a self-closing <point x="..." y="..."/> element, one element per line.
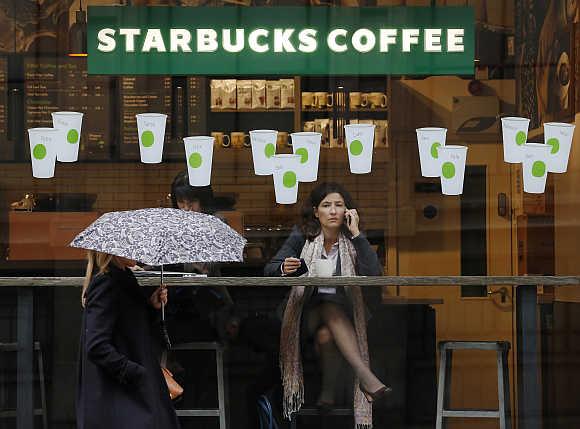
<point x="229" y="91"/>
<point x="273" y="94"/>
<point x="287" y="93"/>
<point x="216" y="93"/>
<point x="258" y="94"/>
<point x="244" y="93"/>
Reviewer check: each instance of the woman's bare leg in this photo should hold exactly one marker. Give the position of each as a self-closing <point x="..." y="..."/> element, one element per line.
<point x="330" y="362"/>
<point x="344" y="336"/>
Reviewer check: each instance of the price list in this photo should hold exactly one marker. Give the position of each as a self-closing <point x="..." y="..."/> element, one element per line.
<point x="197" y="105"/>
<point x="142" y="94"/>
<point x="40" y="92"/>
<point x="92" y="96"/>
<point x="5" y="148"/>
<point x="3" y="98"/>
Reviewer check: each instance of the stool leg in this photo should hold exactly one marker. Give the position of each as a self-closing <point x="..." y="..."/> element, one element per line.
<point x="221" y="394"/>
<point x="444" y="386"/>
<point x="293" y="420"/>
<point x="42" y="387"/>
<point x="503" y="388"/>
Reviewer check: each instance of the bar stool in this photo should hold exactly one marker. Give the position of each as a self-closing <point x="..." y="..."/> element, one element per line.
<point x="7" y="413"/>
<point x="444" y="389"/>
<point x="220" y="412"/>
<point x="317" y="412"/>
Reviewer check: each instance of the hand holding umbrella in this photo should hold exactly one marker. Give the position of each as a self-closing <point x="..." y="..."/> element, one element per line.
<point x="158" y="298"/>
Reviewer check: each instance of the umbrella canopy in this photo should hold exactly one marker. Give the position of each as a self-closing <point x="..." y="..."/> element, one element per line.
<point x="159" y="236"/>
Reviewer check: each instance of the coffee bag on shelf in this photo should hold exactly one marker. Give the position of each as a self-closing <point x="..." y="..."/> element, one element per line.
<point x="381" y="133"/>
<point x="287" y="93"/>
<point x="216" y="93"/>
<point x="229" y="92"/>
<point x="258" y="94"/>
<point x="273" y="94"/>
<point x="244" y="93"/>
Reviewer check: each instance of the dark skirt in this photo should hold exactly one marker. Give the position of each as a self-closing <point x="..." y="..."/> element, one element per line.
<point x="339" y="298"/>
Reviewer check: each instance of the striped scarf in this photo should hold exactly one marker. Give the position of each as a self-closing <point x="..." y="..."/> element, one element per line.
<point x="290" y="357"/>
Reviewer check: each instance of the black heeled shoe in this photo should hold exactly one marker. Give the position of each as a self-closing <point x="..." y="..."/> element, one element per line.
<point x="381" y="392"/>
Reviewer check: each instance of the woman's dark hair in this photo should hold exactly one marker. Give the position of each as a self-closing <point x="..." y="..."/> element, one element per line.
<point x="181" y="190"/>
<point x="310" y="224"/>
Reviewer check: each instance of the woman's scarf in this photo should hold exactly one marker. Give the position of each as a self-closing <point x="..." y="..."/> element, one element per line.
<point x="290" y="356"/>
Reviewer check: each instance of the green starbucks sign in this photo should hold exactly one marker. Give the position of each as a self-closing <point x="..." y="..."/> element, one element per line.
<point x="280" y="40"/>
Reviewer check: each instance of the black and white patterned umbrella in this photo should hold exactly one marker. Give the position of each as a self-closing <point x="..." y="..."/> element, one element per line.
<point x="160" y="236"/>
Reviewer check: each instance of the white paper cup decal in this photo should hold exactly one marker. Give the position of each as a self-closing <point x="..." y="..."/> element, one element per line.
<point x="69" y="123"/>
<point x="263" y="144"/>
<point x="558" y="136"/>
<point x="452" y="171"/>
<point x="360" y="143"/>
<point x="43" y="146"/>
<point x="199" y="158"/>
<point x="151" y="130"/>
<point x="535" y="168"/>
<point x="307" y="145"/>
<point x="285" y="172"/>
<point x="429" y="140"/>
<point x="515" y="134"/>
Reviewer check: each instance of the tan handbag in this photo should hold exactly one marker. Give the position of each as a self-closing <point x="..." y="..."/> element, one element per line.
<point x="175" y="390"/>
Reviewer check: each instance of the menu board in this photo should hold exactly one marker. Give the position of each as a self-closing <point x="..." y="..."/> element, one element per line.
<point x="143" y="94"/>
<point x="197" y="105"/>
<point x="92" y="96"/>
<point x="40" y="92"/>
<point x="5" y="148"/>
<point x="62" y="84"/>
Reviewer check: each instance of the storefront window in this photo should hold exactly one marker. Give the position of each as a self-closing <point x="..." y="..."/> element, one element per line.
<point x="434" y="178"/>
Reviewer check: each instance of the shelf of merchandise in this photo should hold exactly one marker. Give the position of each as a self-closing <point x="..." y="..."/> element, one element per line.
<point x="291" y="110"/>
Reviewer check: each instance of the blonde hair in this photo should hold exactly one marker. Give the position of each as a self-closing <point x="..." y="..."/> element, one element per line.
<point x="102" y="261"/>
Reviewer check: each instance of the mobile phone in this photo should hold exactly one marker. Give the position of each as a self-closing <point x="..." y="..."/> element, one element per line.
<point x="303" y="269"/>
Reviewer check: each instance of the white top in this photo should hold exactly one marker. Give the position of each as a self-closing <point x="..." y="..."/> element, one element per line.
<point x="332" y="256"/>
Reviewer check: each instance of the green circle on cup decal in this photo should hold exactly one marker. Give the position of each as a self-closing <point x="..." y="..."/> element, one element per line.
<point x="289" y="179"/>
<point x="434" y="147"/>
<point x="147" y="138"/>
<point x="356" y="147"/>
<point x="538" y="169"/>
<point x="520" y="138"/>
<point x="555" y="143"/>
<point x="72" y="136"/>
<point x="303" y="152"/>
<point x="448" y="170"/>
<point x="195" y="160"/>
<point x="269" y="150"/>
<point x="39" y="151"/>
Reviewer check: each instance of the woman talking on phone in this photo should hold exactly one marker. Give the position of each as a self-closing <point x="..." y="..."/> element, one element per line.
<point x="332" y="318"/>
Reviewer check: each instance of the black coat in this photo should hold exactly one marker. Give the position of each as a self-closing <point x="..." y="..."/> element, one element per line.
<point x="120" y="383"/>
<point x="366" y="264"/>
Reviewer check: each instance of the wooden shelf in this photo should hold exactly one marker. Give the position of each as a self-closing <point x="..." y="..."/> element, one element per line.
<point x="252" y="110"/>
<point x="325" y="110"/>
<point x="364" y="109"/>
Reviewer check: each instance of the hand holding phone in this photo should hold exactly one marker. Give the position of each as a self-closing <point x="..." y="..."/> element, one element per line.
<point x="352" y="220"/>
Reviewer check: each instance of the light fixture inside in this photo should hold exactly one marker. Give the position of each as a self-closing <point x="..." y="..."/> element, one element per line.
<point x="77" y="34"/>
